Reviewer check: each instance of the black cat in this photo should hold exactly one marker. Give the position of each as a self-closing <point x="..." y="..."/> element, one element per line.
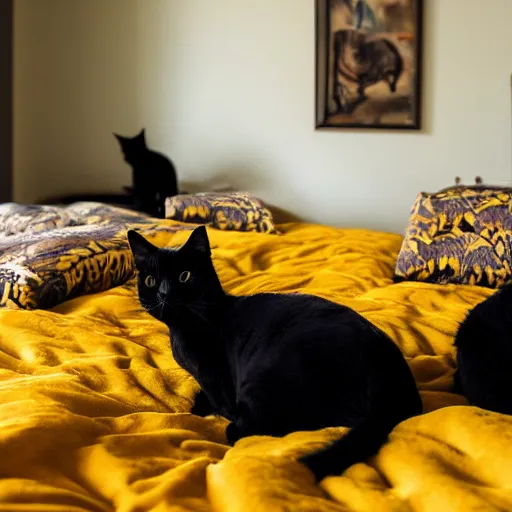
<point x="275" y="363"/>
<point x="484" y="353"/>
<point x="154" y="175"/>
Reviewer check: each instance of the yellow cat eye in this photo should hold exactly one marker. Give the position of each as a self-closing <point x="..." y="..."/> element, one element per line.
<point x="150" y="281"/>
<point x="184" y="276"/>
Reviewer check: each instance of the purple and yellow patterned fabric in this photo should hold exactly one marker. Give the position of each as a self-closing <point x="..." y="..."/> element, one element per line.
<point x="459" y="235"/>
<point x="52" y="254"/>
<point x="16" y="218"/>
<point x="235" y="211"/>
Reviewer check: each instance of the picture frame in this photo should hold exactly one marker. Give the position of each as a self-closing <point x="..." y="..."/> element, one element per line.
<point x="368" y="64"/>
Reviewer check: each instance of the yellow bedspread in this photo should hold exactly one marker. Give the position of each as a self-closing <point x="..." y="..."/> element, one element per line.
<point x="93" y="410"/>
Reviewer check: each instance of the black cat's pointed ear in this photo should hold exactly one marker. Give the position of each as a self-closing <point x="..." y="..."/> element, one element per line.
<point x="141" y="248"/>
<point x="142" y="135"/>
<point x="198" y="241"/>
<point x="119" y="139"/>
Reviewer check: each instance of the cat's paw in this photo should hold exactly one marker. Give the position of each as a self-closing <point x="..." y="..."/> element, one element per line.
<point x="232" y="433"/>
<point x="315" y="464"/>
<point x="202" y="406"/>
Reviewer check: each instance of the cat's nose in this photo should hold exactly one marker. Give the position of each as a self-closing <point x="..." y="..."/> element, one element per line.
<point x="164" y="288"/>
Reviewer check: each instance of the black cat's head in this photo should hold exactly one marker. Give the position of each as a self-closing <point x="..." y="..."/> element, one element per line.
<point x="172" y="282"/>
<point x="132" y="147"/>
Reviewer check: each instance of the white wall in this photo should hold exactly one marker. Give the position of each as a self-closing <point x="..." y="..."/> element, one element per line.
<point x="226" y="87"/>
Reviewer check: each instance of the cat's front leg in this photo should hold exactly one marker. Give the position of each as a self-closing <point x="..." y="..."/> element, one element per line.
<point x="202" y="405"/>
<point x="234" y="432"/>
<point x="241" y="427"/>
<point x="253" y="417"/>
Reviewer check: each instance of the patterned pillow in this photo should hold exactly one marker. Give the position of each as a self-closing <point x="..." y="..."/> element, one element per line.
<point x="16" y="219"/>
<point x="88" y="212"/>
<point x="43" y="270"/>
<point x="52" y="254"/>
<point x="459" y="235"/>
<point x="19" y="218"/>
<point x="236" y="211"/>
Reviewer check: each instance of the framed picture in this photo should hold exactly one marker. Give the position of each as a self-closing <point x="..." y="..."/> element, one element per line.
<point x="368" y="63"/>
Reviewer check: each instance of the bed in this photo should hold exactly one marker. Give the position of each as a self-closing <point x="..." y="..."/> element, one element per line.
<point x="94" y="412"/>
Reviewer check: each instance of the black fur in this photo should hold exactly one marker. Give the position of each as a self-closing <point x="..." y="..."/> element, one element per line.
<point x="484" y="353"/>
<point x="153" y="174"/>
<point x="273" y="363"/>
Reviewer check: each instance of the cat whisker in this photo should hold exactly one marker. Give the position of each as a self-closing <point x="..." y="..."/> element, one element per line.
<point x="163" y="303"/>
<point x="153" y="307"/>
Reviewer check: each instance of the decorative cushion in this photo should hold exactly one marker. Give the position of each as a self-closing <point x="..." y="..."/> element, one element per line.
<point x="17" y="218"/>
<point x="88" y="212"/>
<point x="459" y="235"/>
<point x="40" y="269"/>
<point x="236" y="211"/>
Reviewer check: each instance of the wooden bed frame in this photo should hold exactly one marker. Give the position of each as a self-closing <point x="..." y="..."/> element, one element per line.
<point x="6" y="97"/>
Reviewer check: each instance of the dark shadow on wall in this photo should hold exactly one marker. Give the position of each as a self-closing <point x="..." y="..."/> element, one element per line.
<point x="282" y="216"/>
<point x="6" y="69"/>
<point x="243" y="178"/>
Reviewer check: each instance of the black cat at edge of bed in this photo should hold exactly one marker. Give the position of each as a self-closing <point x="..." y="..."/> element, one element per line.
<point x="484" y="353"/>
<point x="153" y="175"/>
<point x="274" y="363"/>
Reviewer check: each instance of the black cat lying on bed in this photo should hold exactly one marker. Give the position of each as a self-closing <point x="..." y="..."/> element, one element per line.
<point x="274" y="364"/>
<point x="484" y="354"/>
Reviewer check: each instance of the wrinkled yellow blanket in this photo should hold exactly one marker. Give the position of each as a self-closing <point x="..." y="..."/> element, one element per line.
<point x="93" y="410"/>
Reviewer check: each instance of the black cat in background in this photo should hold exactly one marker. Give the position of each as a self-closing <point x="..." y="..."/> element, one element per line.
<point x="154" y="175"/>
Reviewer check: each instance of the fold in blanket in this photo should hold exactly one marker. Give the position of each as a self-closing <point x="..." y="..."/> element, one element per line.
<point x="94" y="411"/>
